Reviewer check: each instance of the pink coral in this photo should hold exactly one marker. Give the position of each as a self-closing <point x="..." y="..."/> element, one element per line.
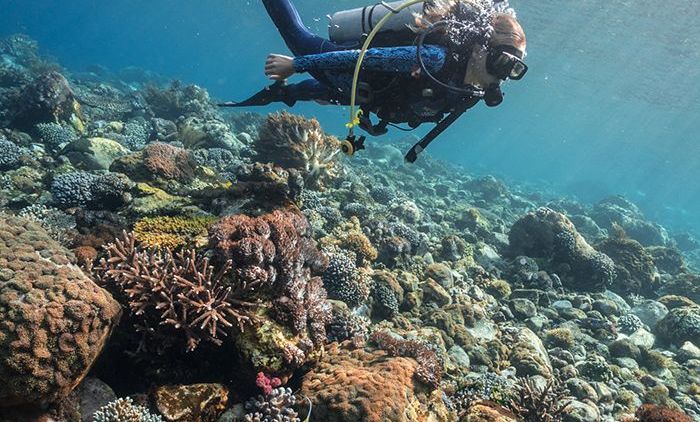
<point x="267" y="383"/>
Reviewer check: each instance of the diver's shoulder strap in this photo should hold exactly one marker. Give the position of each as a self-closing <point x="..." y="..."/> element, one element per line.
<point x="420" y="146"/>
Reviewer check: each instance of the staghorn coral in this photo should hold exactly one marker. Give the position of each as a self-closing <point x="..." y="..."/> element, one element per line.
<point x="429" y="370"/>
<point x="180" y="292"/>
<point x="124" y="410"/>
<point x="351" y="385"/>
<point x="295" y="142"/>
<point x="535" y="404"/>
<point x="275" y="406"/>
<point x="169" y="162"/>
<point x="654" y="413"/>
<point x="172" y="232"/>
<point x="54" y="321"/>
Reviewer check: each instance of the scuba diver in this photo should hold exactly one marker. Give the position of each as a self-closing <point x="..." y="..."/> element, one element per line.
<point x="430" y="63"/>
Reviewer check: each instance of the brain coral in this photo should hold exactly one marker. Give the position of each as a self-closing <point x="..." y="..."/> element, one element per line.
<point x="351" y="386"/>
<point x="295" y="142"/>
<point x="54" y="321"/>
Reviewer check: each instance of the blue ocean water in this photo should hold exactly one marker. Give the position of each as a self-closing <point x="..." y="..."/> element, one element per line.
<point x="611" y="104"/>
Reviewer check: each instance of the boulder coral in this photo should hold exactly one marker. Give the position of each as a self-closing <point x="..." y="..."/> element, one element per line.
<point x="635" y="271"/>
<point x="551" y="236"/>
<point x="295" y="142"/>
<point x="48" y="98"/>
<point x="54" y="320"/>
<point x="351" y="385"/>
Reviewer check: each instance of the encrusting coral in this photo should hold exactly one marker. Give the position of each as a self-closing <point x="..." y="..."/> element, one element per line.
<point x="429" y="370"/>
<point x="295" y="142"/>
<point x="352" y="385"/>
<point x="54" y="321"/>
<point x="173" y="232"/>
<point x="177" y="291"/>
<point x="655" y="413"/>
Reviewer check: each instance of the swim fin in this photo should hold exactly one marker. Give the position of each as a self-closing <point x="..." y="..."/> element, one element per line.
<point x="276" y="92"/>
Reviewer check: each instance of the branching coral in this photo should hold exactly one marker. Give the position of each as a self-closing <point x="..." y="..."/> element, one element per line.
<point x="277" y="405"/>
<point x="429" y="369"/>
<point x="295" y="142"/>
<point x="534" y="404"/>
<point x="124" y="410"/>
<point x="180" y="291"/>
<point x="172" y="232"/>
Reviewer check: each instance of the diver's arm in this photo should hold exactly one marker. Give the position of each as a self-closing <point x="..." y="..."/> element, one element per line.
<point x="387" y="59"/>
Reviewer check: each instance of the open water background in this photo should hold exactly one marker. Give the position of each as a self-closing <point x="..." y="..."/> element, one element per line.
<point x="611" y="104"/>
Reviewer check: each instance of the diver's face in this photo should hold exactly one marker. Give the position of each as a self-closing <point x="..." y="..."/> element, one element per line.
<point x="476" y="74"/>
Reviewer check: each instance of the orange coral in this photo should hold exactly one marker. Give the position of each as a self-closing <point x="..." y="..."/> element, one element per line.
<point x="655" y="413"/>
<point x="85" y="256"/>
<point x="169" y="162"/>
<point x="352" y="386"/>
<point x="54" y="321"/>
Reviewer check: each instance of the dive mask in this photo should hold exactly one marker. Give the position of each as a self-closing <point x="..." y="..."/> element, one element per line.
<point x="505" y="62"/>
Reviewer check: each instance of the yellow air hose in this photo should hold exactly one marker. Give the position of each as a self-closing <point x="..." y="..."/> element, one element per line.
<point x="355" y="115"/>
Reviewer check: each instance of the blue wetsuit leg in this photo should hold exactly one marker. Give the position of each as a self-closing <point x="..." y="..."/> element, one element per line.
<point x="298" y="38"/>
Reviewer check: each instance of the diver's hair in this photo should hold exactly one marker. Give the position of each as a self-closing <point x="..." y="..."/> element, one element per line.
<point x="500" y="28"/>
<point x="507" y="31"/>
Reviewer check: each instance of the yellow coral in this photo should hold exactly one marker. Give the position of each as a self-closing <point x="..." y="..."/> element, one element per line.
<point x="349" y="236"/>
<point x="172" y="232"/>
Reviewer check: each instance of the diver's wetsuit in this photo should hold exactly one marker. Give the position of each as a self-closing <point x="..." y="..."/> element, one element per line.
<point x="332" y="65"/>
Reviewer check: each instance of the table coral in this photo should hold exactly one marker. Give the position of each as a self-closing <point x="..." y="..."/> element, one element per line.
<point x="54" y="320"/>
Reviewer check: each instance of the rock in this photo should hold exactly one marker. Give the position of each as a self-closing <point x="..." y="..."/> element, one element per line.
<point x="94" y="153"/>
<point x="487" y="256"/>
<point x="484" y="330"/>
<point x="578" y="411"/>
<point x="650" y="312"/>
<point x="523" y="308"/>
<point x="459" y="356"/>
<point x="54" y="320"/>
<point x="624" y="348"/>
<point x="606" y="307"/>
<point x="643" y="339"/>
<point x="688" y="351"/>
<point x="191" y="403"/>
<point x="680" y="325"/>
<point x="628" y="363"/>
<point x="92" y="395"/>
<point x="440" y="273"/>
<point x="528" y="355"/>
<point x="561" y="305"/>
<point x="434" y="292"/>
<point x="489" y="412"/>
<point x="581" y="389"/>
<point x="530" y="294"/>
<point x="536" y="323"/>
<point x="622" y="306"/>
<point x="551" y="236"/>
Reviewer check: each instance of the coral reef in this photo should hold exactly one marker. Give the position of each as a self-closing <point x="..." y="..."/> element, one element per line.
<point x="550" y="235"/>
<point x="169" y="162"/>
<point x="295" y="142"/>
<point x="54" y="320"/>
<point x="342" y="279"/>
<point x="10" y="155"/>
<point x="655" y="413"/>
<point x="429" y="370"/>
<point x="635" y="271"/>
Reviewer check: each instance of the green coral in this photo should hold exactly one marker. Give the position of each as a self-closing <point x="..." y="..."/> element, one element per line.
<point x="173" y="232"/>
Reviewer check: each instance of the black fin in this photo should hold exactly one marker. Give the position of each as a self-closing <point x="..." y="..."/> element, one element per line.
<point x="268" y="95"/>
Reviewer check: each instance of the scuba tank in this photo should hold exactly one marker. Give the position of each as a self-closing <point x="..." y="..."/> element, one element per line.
<point x="349" y="26"/>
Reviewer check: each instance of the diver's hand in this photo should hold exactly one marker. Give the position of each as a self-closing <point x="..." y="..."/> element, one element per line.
<point x="278" y="67"/>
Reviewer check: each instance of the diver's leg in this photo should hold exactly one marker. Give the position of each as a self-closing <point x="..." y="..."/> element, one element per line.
<point x="298" y="38"/>
<point x="307" y="90"/>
